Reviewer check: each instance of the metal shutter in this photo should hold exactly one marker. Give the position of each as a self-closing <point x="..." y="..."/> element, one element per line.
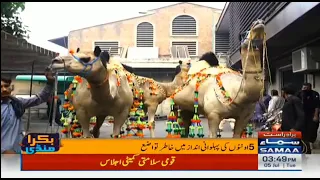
<point x="111" y="46"/>
<point x="145" y="35"/>
<point x="184" y="25"/>
<point x="242" y="14"/>
<point x="222" y="43"/>
<point x="192" y="46"/>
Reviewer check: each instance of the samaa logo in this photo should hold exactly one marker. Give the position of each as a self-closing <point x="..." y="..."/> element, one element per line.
<point x="280" y="150"/>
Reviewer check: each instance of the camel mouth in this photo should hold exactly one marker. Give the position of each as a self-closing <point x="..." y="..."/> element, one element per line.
<point x="57" y="65"/>
<point x="258" y="25"/>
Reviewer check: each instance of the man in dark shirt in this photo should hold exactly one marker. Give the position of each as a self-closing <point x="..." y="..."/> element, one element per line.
<point x="293" y="115"/>
<point x="311" y="105"/>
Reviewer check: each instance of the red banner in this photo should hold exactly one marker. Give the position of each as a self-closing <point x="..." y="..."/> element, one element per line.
<point x="280" y="134"/>
<point x="140" y="162"/>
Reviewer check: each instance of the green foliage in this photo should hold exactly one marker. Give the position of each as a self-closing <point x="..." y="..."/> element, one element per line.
<point x="10" y="19"/>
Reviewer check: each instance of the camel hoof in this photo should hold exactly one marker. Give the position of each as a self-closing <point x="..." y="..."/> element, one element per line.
<point x="115" y="136"/>
<point x="88" y="137"/>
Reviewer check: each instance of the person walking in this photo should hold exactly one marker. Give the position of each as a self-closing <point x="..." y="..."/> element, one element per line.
<point x="293" y="115"/>
<point x="311" y="105"/>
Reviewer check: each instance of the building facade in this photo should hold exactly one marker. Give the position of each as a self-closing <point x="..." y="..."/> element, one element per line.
<point x="180" y="24"/>
<point x="293" y="39"/>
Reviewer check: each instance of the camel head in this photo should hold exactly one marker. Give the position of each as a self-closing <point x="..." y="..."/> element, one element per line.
<point x="85" y="64"/>
<point x="182" y="70"/>
<point x="255" y="35"/>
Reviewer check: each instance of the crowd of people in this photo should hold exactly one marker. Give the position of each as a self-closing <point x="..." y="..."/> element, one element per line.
<point x="300" y="111"/>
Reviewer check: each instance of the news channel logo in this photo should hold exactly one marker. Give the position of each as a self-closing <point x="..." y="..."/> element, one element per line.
<point x="40" y="142"/>
<point x="279" y="146"/>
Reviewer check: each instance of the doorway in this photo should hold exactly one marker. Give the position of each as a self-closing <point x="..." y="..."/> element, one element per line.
<point x="288" y="77"/>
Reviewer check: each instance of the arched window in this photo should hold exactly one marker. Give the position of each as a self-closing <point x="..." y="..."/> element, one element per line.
<point x="145" y="35"/>
<point x="184" y="25"/>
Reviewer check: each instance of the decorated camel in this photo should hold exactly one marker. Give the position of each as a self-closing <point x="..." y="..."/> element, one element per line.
<point x="156" y="92"/>
<point x="102" y="91"/>
<point x="221" y="93"/>
<point x="148" y="94"/>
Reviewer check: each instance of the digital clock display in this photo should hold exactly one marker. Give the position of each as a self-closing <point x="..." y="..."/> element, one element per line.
<point x="280" y="151"/>
<point x="279" y="161"/>
<point x="279" y="158"/>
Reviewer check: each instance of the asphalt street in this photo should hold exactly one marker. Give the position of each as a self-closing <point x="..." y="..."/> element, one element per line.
<point x="41" y="126"/>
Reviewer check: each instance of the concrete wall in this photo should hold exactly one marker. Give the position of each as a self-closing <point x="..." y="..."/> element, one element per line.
<point x="125" y="31"/>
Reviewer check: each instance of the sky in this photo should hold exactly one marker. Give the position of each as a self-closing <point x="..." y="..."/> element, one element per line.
<point x="48" y="20"/>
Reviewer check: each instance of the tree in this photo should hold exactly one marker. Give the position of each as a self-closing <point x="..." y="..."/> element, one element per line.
<point x="11" y="21"/>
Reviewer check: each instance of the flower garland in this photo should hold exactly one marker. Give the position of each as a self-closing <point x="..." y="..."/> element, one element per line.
<point x="195" y="129"/>
<point x="226" y="96"/>
<point x="137" y="120"/>
<point x="71" y="126"/>
<point x="152" y="87"/>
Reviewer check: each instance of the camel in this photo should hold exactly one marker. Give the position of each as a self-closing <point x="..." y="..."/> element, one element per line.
<point x="222" y="92"/>
<point x="109" y="92"/>
<point x="156" y="92"/>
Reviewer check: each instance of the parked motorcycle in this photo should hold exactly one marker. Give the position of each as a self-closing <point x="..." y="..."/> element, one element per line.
<point x="273" y="121"/>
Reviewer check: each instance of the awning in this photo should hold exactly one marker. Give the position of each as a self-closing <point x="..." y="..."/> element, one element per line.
<point x="61" y="41"/>
<point x="42" y="78"/>
<point x="17" y="55"/>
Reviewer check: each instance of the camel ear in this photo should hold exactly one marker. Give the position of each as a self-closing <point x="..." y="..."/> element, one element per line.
<point x="180" y="62"/>
<point x="113" y="84"/>
<point x="97" y="51"/>
<point x="78" y="50"/>
<point x="105" y="56"/>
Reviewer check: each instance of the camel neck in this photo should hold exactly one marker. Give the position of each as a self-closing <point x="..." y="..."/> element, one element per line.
<point x="251" y="61"/>
<point x="170" y="87"/>
<point x="252" y="72"/>
<point x="100" y="90"/>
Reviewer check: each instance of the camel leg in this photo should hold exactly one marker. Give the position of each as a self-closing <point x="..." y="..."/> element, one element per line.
<point x="186" y="118"/>
<point x="213" y="122"/>
<point x="84" y="121"/>
<point x="240" y="124"/>
<point x="231" y="122"/>
<point x="152" y="109"/>
<point x="222" y="124"/>
<point x="96" y="128"/>
<point x="119" y="120"/>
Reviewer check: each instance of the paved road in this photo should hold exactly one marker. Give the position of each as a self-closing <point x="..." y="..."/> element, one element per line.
<point x="41" y="126"/>
<point x="105" y="131"/>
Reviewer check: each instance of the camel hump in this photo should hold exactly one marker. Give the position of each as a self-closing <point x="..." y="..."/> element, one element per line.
<point x="197" y="66"/>
<point x="115" y="62"/>
<point x="217" y="70"/>
<point x="208" y="59"/>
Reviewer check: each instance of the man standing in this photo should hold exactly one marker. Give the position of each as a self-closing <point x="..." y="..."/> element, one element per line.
<point x="311" y="105"/>
<point x="276" y="103"/>
<point x="12" y="110"/>
<point x="293" y="115"/>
